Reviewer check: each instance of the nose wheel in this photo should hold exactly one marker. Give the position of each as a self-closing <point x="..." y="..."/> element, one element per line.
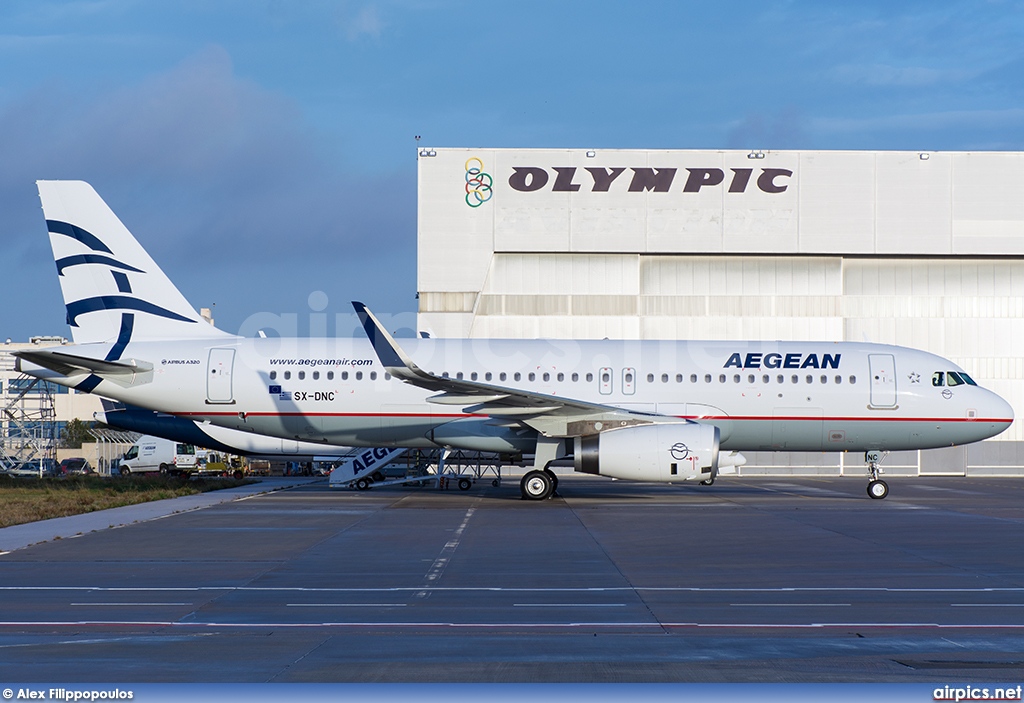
<point x="877" y="488"/>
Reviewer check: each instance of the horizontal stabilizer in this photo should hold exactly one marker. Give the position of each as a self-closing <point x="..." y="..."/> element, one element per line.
<point x="70" y="364"/>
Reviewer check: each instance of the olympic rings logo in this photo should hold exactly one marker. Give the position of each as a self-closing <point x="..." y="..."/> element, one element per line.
<point x="478" y="183"/>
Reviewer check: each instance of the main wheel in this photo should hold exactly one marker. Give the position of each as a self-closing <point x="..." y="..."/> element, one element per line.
<point x="554" y="479"/>
<point x="464" y="484"/>
<point x="536" y="485"/>
<point x="708" y="481"/>
<point x="878" y="489"/>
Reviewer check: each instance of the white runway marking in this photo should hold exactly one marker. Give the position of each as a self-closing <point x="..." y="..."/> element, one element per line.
<point x="508" y="625"/>
<point x="568" y="605"/>
<point x="346" y="605"/>
<point x="790" y="605"/>
<point x="129" y="605"/>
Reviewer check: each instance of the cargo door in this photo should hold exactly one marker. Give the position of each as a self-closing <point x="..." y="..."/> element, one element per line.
<point x="218" y="377"/>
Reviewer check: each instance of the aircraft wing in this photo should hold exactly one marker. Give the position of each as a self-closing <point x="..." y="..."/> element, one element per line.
<point x="70" y="364"/>
<point x="554" y="416"/>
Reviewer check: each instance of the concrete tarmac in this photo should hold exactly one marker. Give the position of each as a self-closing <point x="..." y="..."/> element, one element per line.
<point x="769" y="579"/>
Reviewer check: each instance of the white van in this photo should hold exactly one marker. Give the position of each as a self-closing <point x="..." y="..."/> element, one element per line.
<point x="156" y="454"/>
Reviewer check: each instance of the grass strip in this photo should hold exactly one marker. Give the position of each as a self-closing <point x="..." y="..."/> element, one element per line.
<point x="30" y="499"/>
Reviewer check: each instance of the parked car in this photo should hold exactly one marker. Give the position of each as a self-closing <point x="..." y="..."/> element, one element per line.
<point x="31" y="469"/>
<point x="74" y="465"/>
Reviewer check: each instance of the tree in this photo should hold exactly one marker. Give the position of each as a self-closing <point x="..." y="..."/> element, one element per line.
<point x="75" y="432"/>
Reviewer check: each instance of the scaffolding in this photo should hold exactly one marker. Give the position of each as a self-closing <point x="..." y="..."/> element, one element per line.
<point x="28" y="425"/>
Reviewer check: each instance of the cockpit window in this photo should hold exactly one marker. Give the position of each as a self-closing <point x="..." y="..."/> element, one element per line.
<point x="952" y="378"/>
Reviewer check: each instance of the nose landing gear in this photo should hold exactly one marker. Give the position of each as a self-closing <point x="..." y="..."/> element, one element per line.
<point x="877" y="488"/>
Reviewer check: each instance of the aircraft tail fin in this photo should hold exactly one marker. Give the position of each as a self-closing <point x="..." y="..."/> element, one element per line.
<point x="113" y="290"/>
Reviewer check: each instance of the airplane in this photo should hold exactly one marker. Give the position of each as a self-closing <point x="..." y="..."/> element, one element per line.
<point x="647" y="410"/>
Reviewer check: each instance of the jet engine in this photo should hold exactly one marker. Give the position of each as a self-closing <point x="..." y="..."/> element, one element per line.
<point x="665" y="452"/>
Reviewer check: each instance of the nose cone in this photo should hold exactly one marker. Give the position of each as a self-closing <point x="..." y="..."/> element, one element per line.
<point x="997" y="413"/>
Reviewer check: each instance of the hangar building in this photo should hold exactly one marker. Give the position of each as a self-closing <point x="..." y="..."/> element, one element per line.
<point x="920" y="249"/>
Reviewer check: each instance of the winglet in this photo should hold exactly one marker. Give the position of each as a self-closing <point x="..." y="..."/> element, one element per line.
<point x="390" y="354"/>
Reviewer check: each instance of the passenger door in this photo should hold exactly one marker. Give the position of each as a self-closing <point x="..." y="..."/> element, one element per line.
<point x="218" y="377"/>
<point x="882" y="369"/>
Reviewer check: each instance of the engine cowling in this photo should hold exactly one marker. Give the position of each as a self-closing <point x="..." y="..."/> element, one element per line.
<point x="665" y="452"/>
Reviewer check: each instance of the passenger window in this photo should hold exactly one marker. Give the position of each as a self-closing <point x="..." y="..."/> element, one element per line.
<point x="560" y="377"/>
<point x="853" y="379"/>
<point x="359" y="375"/>
<point x="693" y="378"/>
<point x="780" y="379"/>
<point x="575" y="377"/>
<point x="810" y="378"/>
<point x="664" y="378"/>
<point x="472" y="376"/>
<point x="458" y="375"/>
<point x="605" y="377"/>
<point x="750" y="378"/>
<point x="532" y="376"/>
<point x="679" y="378"/>
<point x="590" y="378"/>
<point x="546" y="376"/>
<point x="344" y="375"/>
<point x="650" y="378"/>
<point x="824" y="378"/>
<point x="316" y="375"/>
<point x="721" y="378"/>
<point x="287" y="375"/>
<point x="839" y="379"/>
<point x="765" y="379"/>
<point x="302" y="375"/>
<point x="273" y="375"/>
<point x="487" y="376"/>
<point x="387" y="376"/>
<point x="736" y="378"/>
<point x="373" y="375"/>
<point x="938" y="378"/>
<point x="330" y="375"/>
<point x="502" y="376"/>
<point x="707" y="378"/>
<point x="517" y="376"/>
<point x="795" y="379"/>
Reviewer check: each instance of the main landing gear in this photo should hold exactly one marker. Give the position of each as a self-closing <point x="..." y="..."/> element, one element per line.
<point x="538" y="484"/>
<point x="541" y="483"/>
<point x="877" y="488"/>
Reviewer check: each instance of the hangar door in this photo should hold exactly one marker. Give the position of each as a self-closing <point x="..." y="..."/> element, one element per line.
<point x="218" y="376"/>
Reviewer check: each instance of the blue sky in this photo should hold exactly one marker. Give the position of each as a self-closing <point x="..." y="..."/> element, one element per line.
<point x="263" y="150"/>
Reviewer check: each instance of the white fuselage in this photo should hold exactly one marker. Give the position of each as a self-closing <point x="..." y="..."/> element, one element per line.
<point x="792" y="396"/>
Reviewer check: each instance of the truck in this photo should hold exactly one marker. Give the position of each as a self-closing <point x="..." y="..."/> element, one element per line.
<point x="156" y="454"/>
